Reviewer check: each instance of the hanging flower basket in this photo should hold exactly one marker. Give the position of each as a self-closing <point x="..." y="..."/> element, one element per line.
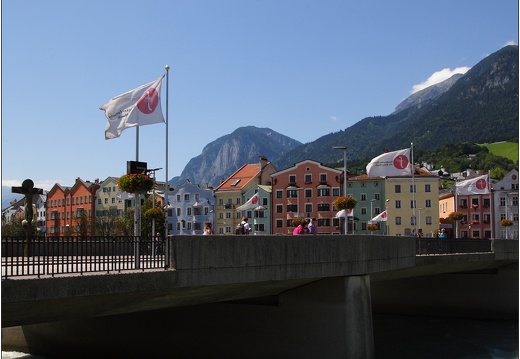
<point x="154" y="213"/>
<point x="135" y="183"/>
<point x="372" y="227"/>
<point x="506" y="223"/>
<point x="296" y="222"/>
<point x="456" y="216"/>
<point x="344" y="203"/>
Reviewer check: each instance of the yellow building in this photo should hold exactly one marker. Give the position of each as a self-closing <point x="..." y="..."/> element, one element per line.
<point x="230" y="194"/>
<point x="412" y="204"/>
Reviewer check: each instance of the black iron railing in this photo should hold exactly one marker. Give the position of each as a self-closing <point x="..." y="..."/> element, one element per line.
<point x="427" y="246"/>
<point x="66" y="255"/>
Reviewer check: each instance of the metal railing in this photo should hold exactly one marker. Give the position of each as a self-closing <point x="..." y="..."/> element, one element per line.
<point x="426" y="246"/>
<point x="78" y="255"/>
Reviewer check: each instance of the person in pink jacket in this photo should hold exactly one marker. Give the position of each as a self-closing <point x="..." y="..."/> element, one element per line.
<point x="301" y="229"/>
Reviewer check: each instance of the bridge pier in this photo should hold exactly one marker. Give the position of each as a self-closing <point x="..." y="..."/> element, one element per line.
<point x="329" y="318"/>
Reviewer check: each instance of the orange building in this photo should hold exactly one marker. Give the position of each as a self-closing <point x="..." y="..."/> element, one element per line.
<point x="71" y="210"/>
<point x="304" y="191"/>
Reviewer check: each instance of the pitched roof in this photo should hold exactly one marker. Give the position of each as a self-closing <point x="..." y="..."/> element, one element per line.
<point x="240" y="178"/>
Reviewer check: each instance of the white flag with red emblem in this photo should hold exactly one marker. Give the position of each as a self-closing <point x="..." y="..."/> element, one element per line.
<point x="396" y="163"/>
<point x="477" y="185"/>
<point x="381" y="217"/>
<point x="251" y="204"/>
<point x="138" y="107"/>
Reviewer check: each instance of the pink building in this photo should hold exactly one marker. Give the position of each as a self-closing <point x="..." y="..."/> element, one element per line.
<point x="304" y="191"/>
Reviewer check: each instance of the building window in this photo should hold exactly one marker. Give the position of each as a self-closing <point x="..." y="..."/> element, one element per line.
<point x="178" y="212"/>
<point x="427" y="188"/>
<point x="397" y="203"/>
<point x="502" y="201"/>
<point x="363" y="196"/>
<point x="323" y="177"/>
<point x="279" y="223"/>
<point x="429" y="220"/>
<point x="412" y="188"/>
<point x="323" y="207"/>
<point x="335" y="192"/>
<point x="324" y="222"/>
<point x="412" y="203"/>
<point x="292" y="178"/>
<point x="428" y="203"/>
<point x="308" y="193"/>
<point x="188" y="211"/>
<point x="515" y="201"/>
<point x="397" y="188"/>
<point x="398" y="220"/>
<point x="292" y="208"/>
<point x="308" y="207"/>
<point x="292" y="193"/>
<point x="308" y="178"/>
<point x="279" y="208"/>
<point x="323" y="192"/>
<point x="377" y="196"/>
<point x="178" y="198"/>
<point x="279" y="193"/>
<point x="363" y="210"/>
<point x="186" y="197"/>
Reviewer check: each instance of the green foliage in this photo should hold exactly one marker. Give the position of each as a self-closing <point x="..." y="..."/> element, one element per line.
<point x="459" y="157"/>
<point x="504" y="149"/>
<point x="497" y="173"/>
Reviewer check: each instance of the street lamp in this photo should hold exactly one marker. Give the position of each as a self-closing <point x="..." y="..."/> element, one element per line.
<point x="344" y="148"/>
<point x="153" y="196"/>
<point x="387" y="218"/>
<point x="418" y="234"/>
<point x="371" y="213"/>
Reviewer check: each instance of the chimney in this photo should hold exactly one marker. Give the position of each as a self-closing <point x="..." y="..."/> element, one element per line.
<point x="262" y="162"/>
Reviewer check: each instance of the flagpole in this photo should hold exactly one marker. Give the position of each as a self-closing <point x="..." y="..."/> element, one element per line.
<point x="166" y="188"/>
<point x="413" y="194"/>
<point x="455" y="209"/>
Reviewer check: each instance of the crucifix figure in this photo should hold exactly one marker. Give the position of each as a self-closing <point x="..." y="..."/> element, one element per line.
<point x="28" y="190"/>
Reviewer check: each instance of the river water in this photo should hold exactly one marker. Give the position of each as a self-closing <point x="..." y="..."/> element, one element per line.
<point x="403" y="337"/>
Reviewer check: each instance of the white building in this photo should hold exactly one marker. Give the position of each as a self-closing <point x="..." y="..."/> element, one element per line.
<point x="505" y="202"/>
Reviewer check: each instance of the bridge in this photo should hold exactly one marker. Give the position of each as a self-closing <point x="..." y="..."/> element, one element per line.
<point x="259" y="296"/>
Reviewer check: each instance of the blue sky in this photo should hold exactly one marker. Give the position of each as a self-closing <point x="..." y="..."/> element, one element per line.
<point x="302" y="68"/>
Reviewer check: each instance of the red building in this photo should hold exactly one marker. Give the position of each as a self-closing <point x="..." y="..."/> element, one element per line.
<point x="71" y="210"/>
<point x="477" y="211"/>
<point x="306" y="190"/>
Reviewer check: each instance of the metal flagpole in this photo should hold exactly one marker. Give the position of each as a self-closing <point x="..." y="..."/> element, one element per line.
<point x="166" y="188"/>
<point x="413" y="193"/>
<point x="137" y="203"/>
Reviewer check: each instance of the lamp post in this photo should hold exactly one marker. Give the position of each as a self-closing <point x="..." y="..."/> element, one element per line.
<point x="418" y="234"/>
<point x="387" y="218"/>
<point x="153" y="196"/>
<point x="371" y="214"/>
<point x="344" y="148"/>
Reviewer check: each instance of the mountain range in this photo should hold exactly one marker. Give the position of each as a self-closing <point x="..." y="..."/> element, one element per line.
<point x="480" y="106"/>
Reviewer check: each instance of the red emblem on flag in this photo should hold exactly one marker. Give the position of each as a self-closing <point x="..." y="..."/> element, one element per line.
<point x="254" y="199"/>
<point x="400" y="162"/>
<point x="481" y="184"/>
<point x="149" y="101"/>
<point x="383" y="215"/>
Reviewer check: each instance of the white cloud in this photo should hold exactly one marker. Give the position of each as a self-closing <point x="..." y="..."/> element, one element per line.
<point x="333" y="118"/>
<point x="510" y="42"/>
<point x="439" y="76"/>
